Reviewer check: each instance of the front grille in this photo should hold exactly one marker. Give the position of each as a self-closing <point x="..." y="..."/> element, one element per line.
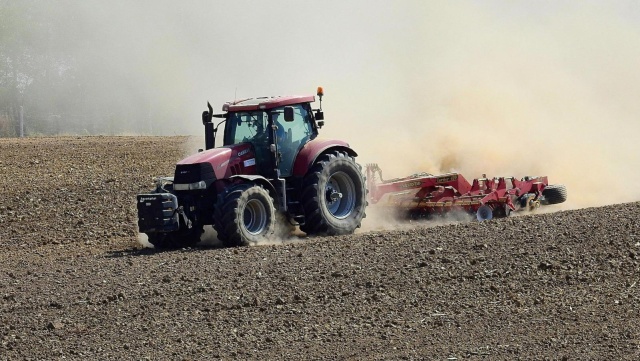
<point x="192" y="173"/>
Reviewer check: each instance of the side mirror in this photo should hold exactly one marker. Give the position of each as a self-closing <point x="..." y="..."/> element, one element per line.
<point x="319" y="115"/>
<point x="288" y="114"/>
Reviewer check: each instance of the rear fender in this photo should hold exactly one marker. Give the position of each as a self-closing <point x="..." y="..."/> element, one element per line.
<point x="313" y="150"/>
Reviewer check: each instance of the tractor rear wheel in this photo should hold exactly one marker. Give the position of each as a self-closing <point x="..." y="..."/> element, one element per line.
<point x="554" y="194"/>
<point x="178" y="239"/>
<point x="333" y="196"/>
<point x="245" y="215"/>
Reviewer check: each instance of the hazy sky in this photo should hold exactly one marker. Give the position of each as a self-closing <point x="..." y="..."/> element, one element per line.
<point x="496" y="87"/>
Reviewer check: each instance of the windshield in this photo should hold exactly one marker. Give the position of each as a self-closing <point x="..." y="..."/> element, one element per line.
<point x="246" y="127"/>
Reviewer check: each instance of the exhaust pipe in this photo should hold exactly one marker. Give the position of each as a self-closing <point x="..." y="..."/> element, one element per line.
<point x="209" y="132"/>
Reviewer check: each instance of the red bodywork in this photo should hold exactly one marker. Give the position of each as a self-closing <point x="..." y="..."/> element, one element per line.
<point x="239" y="159"/>
<point x="441" y="193"/>
<point x="308" y="154"/>
<point x="227" y="161"/>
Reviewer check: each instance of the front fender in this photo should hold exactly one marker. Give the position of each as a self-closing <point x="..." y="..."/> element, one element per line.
<point x="258" y="179"/>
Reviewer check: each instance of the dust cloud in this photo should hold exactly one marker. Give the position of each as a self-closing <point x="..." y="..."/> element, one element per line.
<point x="477" y="91"/>
<point x="385" y="218"/>
<point x="502" y="88"/>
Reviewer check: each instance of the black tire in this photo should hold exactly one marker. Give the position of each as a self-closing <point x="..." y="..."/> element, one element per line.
<point x="501" y="211"/>
<point x="245" y="215"/>
<point x="173" y="240"/>
<point x="333" y="196"/>
<point x="554" y="194"/>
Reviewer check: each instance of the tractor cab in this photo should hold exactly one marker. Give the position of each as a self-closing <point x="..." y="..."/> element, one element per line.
<point x="276" y="127"/>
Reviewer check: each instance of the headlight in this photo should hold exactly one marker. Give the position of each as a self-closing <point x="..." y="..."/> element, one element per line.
<point x="190" y="186"/>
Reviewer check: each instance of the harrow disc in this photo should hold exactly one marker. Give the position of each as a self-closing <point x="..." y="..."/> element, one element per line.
<point x="485" y="213"/>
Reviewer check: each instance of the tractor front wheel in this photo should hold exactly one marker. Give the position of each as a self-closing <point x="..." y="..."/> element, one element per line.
<point x="333" y="196"/>
<point x="245" y="216"/>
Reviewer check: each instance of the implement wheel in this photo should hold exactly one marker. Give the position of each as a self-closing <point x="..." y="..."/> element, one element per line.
<point x="554" y="194"/>
<point x="333" y="196"/>
<point x="245" y="216"/>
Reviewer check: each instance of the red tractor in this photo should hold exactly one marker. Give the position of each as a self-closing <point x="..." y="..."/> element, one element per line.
<point x="271" y="162"/>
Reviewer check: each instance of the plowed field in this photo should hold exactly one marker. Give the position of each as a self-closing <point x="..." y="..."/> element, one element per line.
<point x="76" y="284"/>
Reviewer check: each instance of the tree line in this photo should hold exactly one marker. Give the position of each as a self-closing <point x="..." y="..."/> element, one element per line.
<point x="56" y="74"/>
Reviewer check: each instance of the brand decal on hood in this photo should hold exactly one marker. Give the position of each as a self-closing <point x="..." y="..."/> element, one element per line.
<point x="223" y="164"/>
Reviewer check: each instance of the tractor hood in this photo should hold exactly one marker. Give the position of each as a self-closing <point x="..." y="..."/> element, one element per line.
<point x="216" y="163"/>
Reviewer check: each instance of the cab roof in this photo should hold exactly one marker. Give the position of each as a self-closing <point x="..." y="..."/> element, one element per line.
<point x="264" y="103"/>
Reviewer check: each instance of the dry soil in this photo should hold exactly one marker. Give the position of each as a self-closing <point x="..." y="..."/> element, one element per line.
<point x="76" y="284"/>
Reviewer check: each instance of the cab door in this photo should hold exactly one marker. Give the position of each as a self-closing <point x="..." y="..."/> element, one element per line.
<point x="292" y="136"/>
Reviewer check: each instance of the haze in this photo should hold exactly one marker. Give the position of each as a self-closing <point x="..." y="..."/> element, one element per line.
<point x="502" y="88"/>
